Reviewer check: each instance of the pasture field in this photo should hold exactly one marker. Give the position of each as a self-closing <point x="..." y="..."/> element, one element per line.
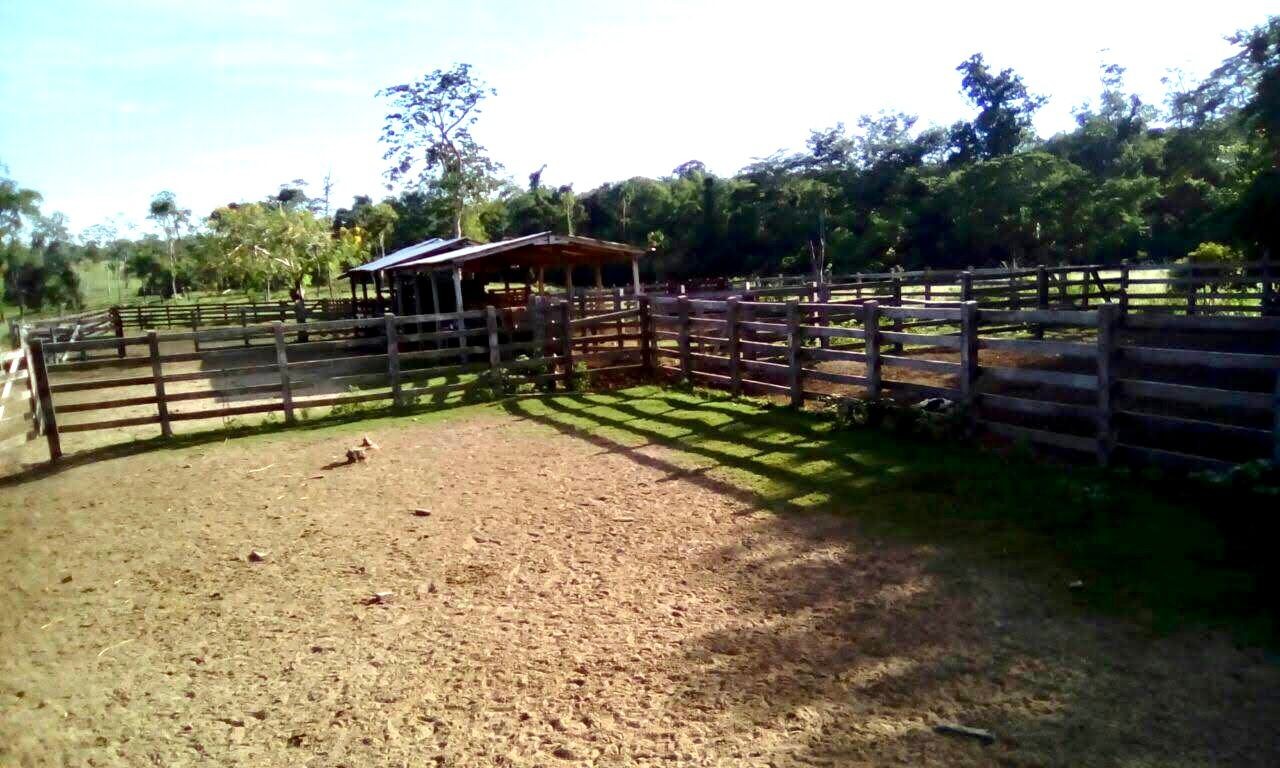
<point x="639" y="577"/>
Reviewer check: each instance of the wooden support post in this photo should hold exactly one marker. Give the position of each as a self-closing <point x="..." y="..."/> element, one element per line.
<point x="157" y="376"/>
<point x="1042" y="296"/>
<point x="391" y="328"/>
<point x="495" y="351"/>
<point x="599" y="278"/>
<point x="824" y="315"/>
<point x="566" y="344"/>
<point x="1084" y="289"/>
<point x="39" y="374"/>
<point x="1191" y="294"/>
<point x="795" y="353"/>
<point x="117" y="327"/>
<point x="300" y="312"/>
<point x="568" y="281"/>
<point x="542" y="281"/>
<point x="435" y="302"/>
<point x="735" y="353"/>
<point x="244" y="326"/>
<point x="871" y="329"/>
<point x="927" y="278"/>
<point x="646" y="334"/>
<point x="538" y="320"/>
<point x="966" y="286"/>
<point x="969" y="362"/>
<point x="897" y="321"/>
<point x="635" y="276"/>
<point x="617" y="307"/>
<point x="1107" y="317"/>
<point x="686" y="361"/>
<point x="461" y="322"/>
<point x="282" y="365"/>
<point x="195" y="327"/>
<point x="355" y="302"/>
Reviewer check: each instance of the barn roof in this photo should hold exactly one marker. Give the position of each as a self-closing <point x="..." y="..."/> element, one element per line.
<point x="541" y="248"/>
<point x="426" y="247"/>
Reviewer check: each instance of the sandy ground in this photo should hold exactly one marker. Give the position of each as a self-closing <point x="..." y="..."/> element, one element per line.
<point x="567" y="601"/>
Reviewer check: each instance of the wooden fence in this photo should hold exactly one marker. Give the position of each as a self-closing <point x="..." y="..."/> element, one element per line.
<point x="163" y="378"/>
<point x="1107" y="386"/>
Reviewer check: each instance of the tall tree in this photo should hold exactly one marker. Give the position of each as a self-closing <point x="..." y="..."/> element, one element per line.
<point x="429" y="140"/>
<point x="173" y="220"/>
<point x="1005" y="108"/>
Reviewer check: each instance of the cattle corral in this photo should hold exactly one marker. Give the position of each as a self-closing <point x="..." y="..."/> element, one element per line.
<point x="560" y="600"/>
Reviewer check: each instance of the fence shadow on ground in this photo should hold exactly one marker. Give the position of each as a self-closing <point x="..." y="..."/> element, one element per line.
<point x="861" y="599"/>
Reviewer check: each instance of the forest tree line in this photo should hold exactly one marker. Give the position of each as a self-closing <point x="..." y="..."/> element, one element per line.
<point x="1198" y="173"/>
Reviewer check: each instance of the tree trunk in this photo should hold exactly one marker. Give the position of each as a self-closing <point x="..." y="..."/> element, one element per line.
<point x="457" y="222"/>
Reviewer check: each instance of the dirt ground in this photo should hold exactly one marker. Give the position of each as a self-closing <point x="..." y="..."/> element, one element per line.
<point x="564" y="602"/>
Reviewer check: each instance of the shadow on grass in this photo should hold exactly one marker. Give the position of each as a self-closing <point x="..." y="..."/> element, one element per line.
<point x="877" y="601"/>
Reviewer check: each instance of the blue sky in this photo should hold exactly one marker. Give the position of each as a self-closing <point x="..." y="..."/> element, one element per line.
<point x="102" y="104"/>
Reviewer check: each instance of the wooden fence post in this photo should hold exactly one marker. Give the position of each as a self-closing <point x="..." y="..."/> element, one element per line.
<point x="117" y="327"/>
<point x="1042" y="296"/>
<point x="1269" y="308"/>
<point x="617" y="307"/>
<point x="538" y="321"/>
<point x="795" y="350"/>
<point x="244" y="326"/>
<point x="392" y="330"/>
<point x="195" y="327"/>
<point x="39" y="372"/>
<point x="871" y="331"/>
<point x="282" y="365"/>
<point x="824" y="314"/>
<point x="686" y="362"/>
<point x="735" y="353"/>
<point x="646" y="334"/>
<point x="157" y="376"/>
<point x="1275" y="408"/>
<point x="966" y="286"/>
<point x="897" y="321"/>
<point x="1107" y="316"/>
<point x="1124" y="288"/>
<point x="566" y="342"/>
<point x="495" y="352"/>
<point x="969" y="362"/>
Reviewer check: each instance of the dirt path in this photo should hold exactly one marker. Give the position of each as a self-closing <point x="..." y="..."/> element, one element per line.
<point x="564" y="603"/>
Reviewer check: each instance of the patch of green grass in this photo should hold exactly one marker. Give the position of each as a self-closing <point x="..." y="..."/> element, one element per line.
<point x="1138" y="549"/>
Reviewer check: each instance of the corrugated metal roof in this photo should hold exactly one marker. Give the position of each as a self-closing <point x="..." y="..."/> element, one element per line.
<point x="426" y="247"/>
<point x="462" y="255"/>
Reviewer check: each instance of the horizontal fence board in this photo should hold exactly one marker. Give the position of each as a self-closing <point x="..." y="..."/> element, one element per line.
<point x="832" y="332"/>
<point x="841" y="355"/>
<point x="1138" y="454"/>
<point x="917" y="388"/>
<point x="1183" y="393"/>
<point x="1056" y="439"/>
<point x="1037" y="347"/>
<point x="1040" y="316"/>
<point x="1235" y="360"/>
<point x="924" y="339"/>
<point x="1029" y="376"/>
<point x="132" y="421"/>
<point x="1037" y="407"/>
<point x="918" y="364"/>
<point x="835" y="378"/>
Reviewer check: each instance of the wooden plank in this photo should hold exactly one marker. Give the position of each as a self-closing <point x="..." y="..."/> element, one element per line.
<point x="132" y="421"/>
<point x="1042" y="316"/>
<point x="871" y="329"/>
<point x="566" y="342"/>
<point x="919" y="364"/>
<point x="686" y="364"/>
<point x="735" y="350"/>
<point x="1037" y="407"/>
<point x="1031" y="376"/>
<point x="226" y="412"/>
<point x="969" y="368"/>
<point x="282" y="364"/>
<point x="1059" y="440"/>
<point x="43" y="394"/>
<point x="922" y="339"/>
<point x="1182" y="393"/>
<point x="585" y="322"/>
<point x="1108" y="316"/>
<point x="836" y="378"/>
<point x="1198" y="426"/>
<point x="914" y="388"/>
<point x="832" y="332"/>
<point x="795" y="351"/>
<point x="840" y="355"/>
<point x="1038" y="347"/>
<point x="1181" y="462"/>
<point x="1233" y="360"/>
<point x="157" y="377"/>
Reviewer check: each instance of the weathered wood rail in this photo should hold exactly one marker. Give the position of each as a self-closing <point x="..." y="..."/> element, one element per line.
<point x="1106" y="387"/>
<point x="162" y="378"/>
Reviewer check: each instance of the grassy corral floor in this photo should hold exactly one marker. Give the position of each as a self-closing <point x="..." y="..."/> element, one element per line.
<point x="639" y="577"/>
<point x="1138" y="545"/>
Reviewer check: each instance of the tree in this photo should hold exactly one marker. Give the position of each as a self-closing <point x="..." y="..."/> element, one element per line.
<point x="268" y="244"/>
<point x="429" y="137"/>
<point x="173" y="220"/>
<point x="1005" y="108"/>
